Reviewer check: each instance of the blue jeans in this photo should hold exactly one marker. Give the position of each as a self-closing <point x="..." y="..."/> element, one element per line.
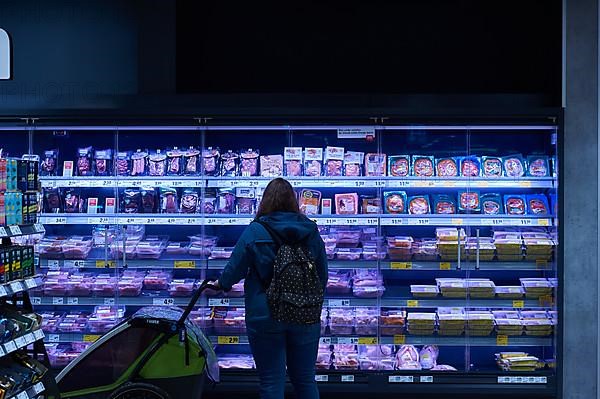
<point x="275" y="345"/>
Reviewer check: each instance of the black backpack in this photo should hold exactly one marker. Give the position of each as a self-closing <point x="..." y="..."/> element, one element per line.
<point x="295" y="294"/>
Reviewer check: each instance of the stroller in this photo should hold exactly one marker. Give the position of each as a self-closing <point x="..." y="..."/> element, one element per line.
<point x="156" y="354"/>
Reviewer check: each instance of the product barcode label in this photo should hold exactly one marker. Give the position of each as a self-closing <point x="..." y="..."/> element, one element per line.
<point x="38" y="388"/>
<point x="10" y="346"/>
<point x="400" y="378"/>
<point x="15" y="230"/>
<point x="20" y="342"/>
<point x="58" y="301"/>
<point x="336" y="303"/>
<point x="22" y="395"/>
<point x="163" y="301"/>
<point x="16" y="286"/>
<point x="426" y="379"/>
<point x="36" y="300"/>
<point x="347" y="378"/>
<point x="30" y="283"/>
<point x="321" y="378"/>
<point x="218" y="302"/>
<point x="3" y="232"/>
<point x="3" y="291"/>
<point x="53" y="338"/>
<point x="38" y="334"/>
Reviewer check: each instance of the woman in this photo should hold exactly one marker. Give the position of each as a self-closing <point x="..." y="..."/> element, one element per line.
<point x="274" y="344"/>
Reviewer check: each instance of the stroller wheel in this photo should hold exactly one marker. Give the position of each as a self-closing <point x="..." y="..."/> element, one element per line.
<point x="139" y="390"/>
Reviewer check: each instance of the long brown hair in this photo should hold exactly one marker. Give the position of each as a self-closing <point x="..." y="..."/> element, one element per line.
<point x="279" y="196"/>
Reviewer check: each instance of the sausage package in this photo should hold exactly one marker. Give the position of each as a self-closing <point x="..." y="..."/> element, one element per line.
<point x="537" y="204"/>
<point x="470" y="166"/>
<point x="229" y="163"/>
<point x="157" y="164"/>
<point x="292" y="161"/>
<point x="174" y="162"/>
<point x="249" y="163"/>
<point x="313" y="161"/>
<point x="84" y="162"/>
<point x="538" y="166"/>
<point x="419" y="205"/>
<point x="49" y="164"/>
<point x="73" y="201"/>
<point x="491" y="166"/>
<point x="375" y="164"/>
<point x="271" y="165"/>
<point x="245" y="202"/>
<point x="469" y="202"/>
<point x="225" y="201"/>
<point x="149" y="202"/>
<point x="346" y="204"/>
<point x="446" y="167"/>
<point x="399" y="165"/>
<point x="189" y="201"/>
<point x="208" y="204"/>
<point x="103" y="162"/>
<point x="123" y="163"/>
<point x="131" y="201"/>
<point x="444" y="204"/>
<point x="353" y="163"/>
<point x="422" y="166"/>
<point x="370" y="205"/>
<point x="491" y="204"/>
<point x="514" y="166"/>
<point x="394" y="202"/>
<point x="515" y="205"/>
<point x="168" y="200"/>
<point x="191" y="161"/>
<point x="334" y="161"/>
<point x="210" y="161"/>
<point x="139" y="160"/>
<point x="309" y="201"/>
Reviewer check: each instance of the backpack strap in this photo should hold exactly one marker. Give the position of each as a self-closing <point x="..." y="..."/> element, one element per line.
<point x="275" y="236"/>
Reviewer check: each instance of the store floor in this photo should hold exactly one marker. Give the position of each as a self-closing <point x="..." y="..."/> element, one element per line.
<point x="345" y="395"/>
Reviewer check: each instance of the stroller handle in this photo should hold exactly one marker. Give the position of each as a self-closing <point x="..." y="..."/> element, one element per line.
<point x="206" y="284"/>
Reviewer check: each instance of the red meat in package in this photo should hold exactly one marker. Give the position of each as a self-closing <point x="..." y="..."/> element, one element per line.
<point x="309" y="201"/>
<point x="346" y="204"/>
<point x="334" y="161"/>
<point x="375" y="164"/>
<point x="313" y="161"/>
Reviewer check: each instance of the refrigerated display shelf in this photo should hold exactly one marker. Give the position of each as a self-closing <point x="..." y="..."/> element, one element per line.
<point x="320" y="182"/>
<point x="21" y="342"/>
<point x="323" y="220"/>
<point x="21" y="230"/>
<point x="16" y="286"/>
<point x="30" y="393"/>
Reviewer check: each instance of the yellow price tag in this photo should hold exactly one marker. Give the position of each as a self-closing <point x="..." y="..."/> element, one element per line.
<point x="367" y="340"/>
<point x="185" y="264"/>
<point x="483" y="183"/>
<point x="518" y="304"/>
<point x="457" y="222"/>
<point x="546" y="300"/>
<point x="525" y="183"/>
<point x="228" y="340"/>
<point x="91" y="338"/>
<point x="543" y="222"/>
<point x="541" y="263"/>
<point x="412" y="303"/>
<point x="445" y="266"/>
<point x="401" y="265"/>
<point x="399" y="339"/>
<point x="502" y="340"/>
<point x="102" y="264"/>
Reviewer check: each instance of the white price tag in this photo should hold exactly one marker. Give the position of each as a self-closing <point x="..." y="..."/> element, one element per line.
<point x="347" y="340"/>
<point x="211" y="221"/>
<point x="400" y="378"/>
<point x="74" y="263"/>
<point x="218" y="302"/>
<point x="39" y="228"/>
<point x="22" y="395"/>
<point x="371" y="221"/>
<point x="53" y="338"/>
<point x="53" y="264"/>
<point x="336" y="303"/>
<point x="398" y="183"/>
<point x="426" y="379"/>
<point x="347" y="378"/>
<point x="38" y="334"/>
<point x="21" y="342"/>
<point x="3" y="232"/>
<point x="325" y="341"/>
<point x="422" y="221"/>
<point x="10" y="346"/>
<point x="163" y="301"/>
<point x="3" y="291"/>
<point x="109" y="301"/>
<point x="151" y="221"/>
<point x="56" y="220"/>
<point x="38" y="388"/>
<point x="72" y="301"/>
<point x="29" y="283"/>
<point x="15" y="230"/>
<point x="58" y="301"/>
<point x="296" y="183"/>
<point x="176" y="183"/>
<point x="16" y="286"/>
<point x="36" y="300"/>
<point x="321" y="378"/>
<point x="30" y="338"/>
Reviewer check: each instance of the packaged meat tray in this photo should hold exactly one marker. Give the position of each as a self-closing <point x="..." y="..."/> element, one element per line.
<point x="338" y="283"/>
<point x="444" y="204"/>
<point x="55" y="287"/>
<point x="348" y="253"/>
<point x="334" y="161"/>
<point x="77" y="247"/>
<point x="309" y="201"/>
<point x="346" y="204"/>
<point x="452" y="287"/>
<point x="510" y="327"/>
<point x="538" y="327"/>
<point x="394" y="202"/>
<point x="292" y="161"/>
<point x="422" y="166"/>
<point x="238" y="362"/>
<point x="407" y="358"/>
<point x="367" y="278"/>
<point x="157" y="280"/>
<point x="419" y="205"/>
<point x="428" y="356"/>
<point x="538" y="166"/>
<point x="375" y="164"/>
<point x="353" y="163"/>
<point x="181" y="287"/>
<point x="100" y="325"/>
<point x="313" y="162"/>
<point x="249" y="162"/>
<point x="347" y="237"/>
<point x="470" y="166"/>
<point x="344" y="360"/>
<point x="485" y="246"/>
<point x="491" y="166"/>
<point x="421" y="323"/>
<point x="399" y="165"/>
<point x="51" y="247"/>
<point x="491" y="204"/>
<point x="424" y="291"/>
<point x="221" y="253"/>
<point x="537" y="204"/>
<point x="449" y="234"/>
<point x="469" y="202"/>
<point x="341" y="321"/>
<point x="79" y="287"/>
<point x="392" y="322"/>
<point x="72" y="326"/>
<point x="104" y="286"/>
<point x="451" y="324"/>
<point x="177" y="248"/>
<point x="233" y="322"/>
<point x="366" y="321"/>
<point x="481" y="288"/>
<point x="271" y="165"/>
<point x="323" y="359"/>
<point x="510" y="292"/>
<point x="376" y="357"/>
<point x="404" y="242"/>
<point x="515" y="205"/>
<point x="61" y="355"/>
<point x="374" y="252"/>
<point x="514" y="166"/>
<point x="202" y="318"/>
<point x="152" y="247"/>
<point x="199" y="250"/>
<point x="446" y="167"/>
<point x="368" y="292"/>
<point x="130" y="287"/>
<point x="370" y="205"/>
<point x="425" y="250"/>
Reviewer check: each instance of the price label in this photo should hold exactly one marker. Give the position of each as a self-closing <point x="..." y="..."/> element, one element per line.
<point x="379" y="183"/>
<point x="426" y="379"/>
<point x="336" y="303"/>
<point x="163" y="301"/>
<point x="171" y="221"/>
<point x="546" y="301"/>
<point x="325" y="341"/>
<point x="30" y="338"/>
<point x="218" y="302"/>
<point x="38" y="334"/>
<point x="15" y="230"/>
<point x="502" y="340"/>
<point x="58" y="301"/>
<point x="3" y="232"/>
<point x="423" y="221"/>
<point x="525" y="183"/>
<point x="16" y="287"/>
<point x="53" y="338"/>
<point x="36" y="300"/>
<point x="398" y="183"/>
<point x="321" y="378"/>
<point x="109" y="301"/>
<point x="359" y="183"/>
<point x="347" y="378"/>
<point x="400" y="379"/>
<point x="445" y="266"/>
<point x="29" y="283"/>
<point x="351" y="222"/>
<point x="38" y="228"/>
<point x="176" y="183"/>
<point x="74" y="263"/>
<point x="482" y="183"/>
<point x="185" y="264"/>
<point x="56" y="220"/>
<point x="99" y="220"/>
<point x="347" y="340"/>
<point x="400" y="265"/>
<point x="221" y="340"/>
<point x="38" y="388"/>
<point x="399" y="339"/>
<point x="367" y="340"/>
<point x="541" y="264"/>
<point x="103" y="264"/>
<point x="3" y="291"/>
<point x="53" y="264"/>
<point x="91" y="338"/>
<point x="543" y="222"/>
<point x="457" y="222"/>
<point x="371" y="221"/>
<point x="10" y="346"/>
<point x="106" y="183"/>
<point x="72" y="301"/>
<point x="296" y="183"/>
<point x="253" y="183"/>
<point x="22" y="395"/>
<point x="518" y="304"/>
<point x="525" y="222"/>
<point x="198" y="183"/>
<point x="211" y="221"/>
<point x="412" y="303"/>
<point x="192" y="221"/>
<point x="20" y="342"/>
<point x="330" y="222"/>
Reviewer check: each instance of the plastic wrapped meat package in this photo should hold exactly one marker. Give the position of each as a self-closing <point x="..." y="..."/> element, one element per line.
<point x="421" y="323"/>
<point x="538" y="166"/>
<point x="399" y="248"/>
<point x="104" y="286"/>
<point x="508" y="323"/>
<point x="271" y="165"/>
<point x="375" y="164"/>
<point x="514" y="165"/>
<point x="77" y="247"/>
<point x="152" y="247"/>
<point x="334" y="161"/>
<point x="451" y="321"/>
<point x="446" y="167"/>
<point x="203" y="318"/>
<point x="116" y="248"/>
<point x="517" y="361"/>
<point x="510" y="292"/>
<point x="536" y="287"/>
<point x="422" y="166"/>
<point x="221" y="253"/>
<point x="225" y="201"/>
<point x="424" y="291"/>
<point x="399" y="165"/>
<point x="470" y="166"/>
<point x="376" y="357"/>
<point x="210" y="161"/>
<point x="104" y="318"/>
<point x="330" y="242"/>
<point x="346" y="204"/>
<point x="245" y="203"/>
<point x="508" y="246"/>
<point x="181" y="287"/>
<point x="130" y="287"/>
<point x="233" y="361"/>
<point x="367" y="320"/>
<point x="157" y="280"/>
<point x="202" y="245"/>
<point x="229" y="163"/>
<point x="367" y="284"/>
<point x="341" y="321"/>
<point x="249" y="163"/>
<point x="373" y="250"/>
<point x="313" y="162"/>
<point x="177" y="248"/>
<point x="370" y="205"/>
<point x="338" y="282"/>
<point x="452" y="287"/>
<point x="79" y="285"/>
<point x="292" y="161"/>
<point x="450" y="234"/>
<point x="353" y="163"/>
<point x="480" y="322"/>
<point x="237" y="290"/>
<point x="323" y="358"/>
<point x="392" y="322"/>
<point x="481" y="288"/>
<point x="515" y="205"/>
<point x="348" y="253"/>
<point x="232" y="321"/>
<point x="55" y="284"/>
<point x="50" y="321"/>
<point x="309" y="201"/>
<point x="425" y="250"/>
<point x="51" y="247"/>
<point x="407" y="358"/>
<point x="491" y="166"/>
<point x="444" y="204"/>
<point x="394" y="202"/>
<point x="419" y="205"/>
<point x="485" y="246"/>
<point x="60" y="355"/>
<point x="428" y="356"/>
<point x="469" y="202"/>
<point x="345" y="357"/>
